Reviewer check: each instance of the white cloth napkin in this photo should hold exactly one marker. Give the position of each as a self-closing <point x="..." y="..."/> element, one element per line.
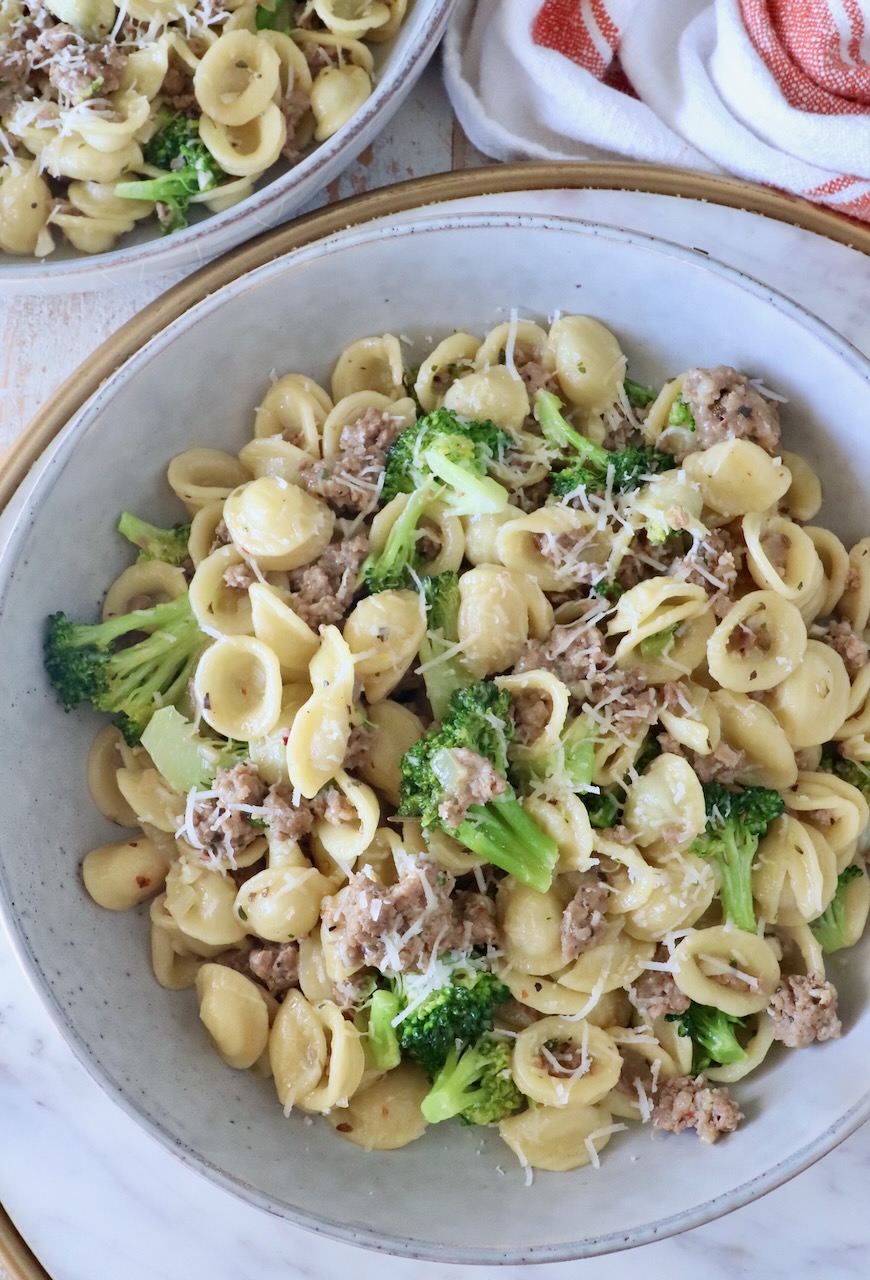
<point x="775" y="91"/>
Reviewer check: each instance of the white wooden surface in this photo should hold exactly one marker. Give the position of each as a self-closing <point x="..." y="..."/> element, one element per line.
<point x="43" y="339"/>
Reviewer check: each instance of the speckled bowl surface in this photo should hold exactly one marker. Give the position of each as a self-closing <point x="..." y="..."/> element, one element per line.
<point x="457" y="1194"/>
<point x="145" y="252"/>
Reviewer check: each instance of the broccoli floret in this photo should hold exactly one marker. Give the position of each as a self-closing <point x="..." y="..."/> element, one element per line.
<point x="452" y="454"/>
<point x="462" y="1010"/>
<point x="681" y="415"/>
<point x="648" y="752"/>
<point x="714" y="1041"/>
<point x="590" y="464"/>
<point x="273" y="17"/>
<point x="659" y="643"/>
<point x="851" y="771"/>
<point x="499" y="831"/>
<point x="441" y="594"/>
<point x="169" y="545"/>
<point x="131" y="683"/>
<point x="603" y="809"/>
<point x="570" y="765"/>
<point x="637" y="394"/>
<point x="383" y="1041"/>
<point x="395" y="567"/>
<point x="189" y="167"/>
<point x="736" y="821"/>
<point x="475" y="1084"/>
<point x="440" y="458"/>
<point x="831" y="927"/>
<point x="608" y="590"/>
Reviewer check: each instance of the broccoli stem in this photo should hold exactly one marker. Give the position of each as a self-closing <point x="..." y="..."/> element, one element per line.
<point x="391" y="567"/>
<point x="383" y="1039"/>
<point x="559" y="432"/>
<point x="473" y="495"/>
<point x="168" y="545"/>
<point x="637" y="394"/>
<point x="660" y="642"/>
<point x="501" y="832"/>
<point x="735" y="863"/>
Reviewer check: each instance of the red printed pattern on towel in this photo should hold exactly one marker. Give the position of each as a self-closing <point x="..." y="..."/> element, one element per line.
<point x="582" y="30"/>
<point x="812" y="48"/>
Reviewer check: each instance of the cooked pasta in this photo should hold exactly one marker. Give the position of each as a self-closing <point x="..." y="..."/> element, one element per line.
<point x="112" y="114"/>
<point x="501" y="752"/>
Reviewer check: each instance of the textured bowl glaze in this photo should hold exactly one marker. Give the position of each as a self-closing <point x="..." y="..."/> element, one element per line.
<point x="145" y="252"/>
<point x="457" y="1194"/>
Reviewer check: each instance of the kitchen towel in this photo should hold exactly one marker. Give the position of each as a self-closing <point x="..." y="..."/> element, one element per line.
<point x="774" y="91"/>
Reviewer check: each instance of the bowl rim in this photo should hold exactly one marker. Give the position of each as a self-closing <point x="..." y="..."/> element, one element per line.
<point x="13" y="532"/>
<point x="166" y="253"/>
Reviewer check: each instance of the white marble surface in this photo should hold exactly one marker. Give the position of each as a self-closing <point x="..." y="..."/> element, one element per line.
<point x="98" y="1199"/>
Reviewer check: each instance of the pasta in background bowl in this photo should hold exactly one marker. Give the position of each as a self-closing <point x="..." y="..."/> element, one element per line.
<point x="670" y="311"/>
<point x="163" y="134"/>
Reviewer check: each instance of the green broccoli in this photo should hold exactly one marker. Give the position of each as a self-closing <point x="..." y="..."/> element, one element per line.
<point x="460" y="1011"/>
<point x="442" y="458"/>
<point x="569" y="766"/>
<point x="382" y="1046"/>
<point x="475" y="1084"/>
<point x="851" y="771"/>
<point x="433" y="771"/>
<point x="590" y="464"/>
<point x="451" y="454"/>
<point x="603" y="808"/>
<point x="273" y="16"/>
<point x="681" y="415"/>
<point x="831" y="927"/>
<point x="84" y="665"/>
<point x="637" y="394"/>
<point x="188" y="165"/>
<point x="736" y="821"/>
<point x="168" y="545"/>
<point x="441" y="594"/>
<point x="659" y="643"/>
<point x="186" y="757"/>
<point x="608" y="590"/>
<point x="714" y="1041"/>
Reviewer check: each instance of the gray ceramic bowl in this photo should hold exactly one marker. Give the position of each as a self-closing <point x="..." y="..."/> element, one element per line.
<point x="456" y="1194"/>
<point x="145" y="252"/>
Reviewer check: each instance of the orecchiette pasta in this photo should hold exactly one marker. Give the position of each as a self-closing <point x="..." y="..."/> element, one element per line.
<point x="440" y="770"/>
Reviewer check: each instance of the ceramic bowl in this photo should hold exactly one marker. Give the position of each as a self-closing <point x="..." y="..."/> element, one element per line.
<point x="145" y="252"/>
<point x="457" y="1194"/>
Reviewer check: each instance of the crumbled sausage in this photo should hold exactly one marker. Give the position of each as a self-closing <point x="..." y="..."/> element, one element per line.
<point x="219" y="823"/>
<point x="322" y="591"/>
<point x="726" y="406"/>
<point x="536" y="377"/>
<point x="239" y="577"/>
<point x="177" y="91"/>
<point x="75" y="68"/>
<point x="804" y="1009"/>
<point x="478" y="783"/>
<point x="656" y="994"/>
<point x="530" y="711"/>
<point x="635" y="1071"/>
<point x="844" y="640"/>
<point x="686" y="1103"/>
<point x="294" y="106"/>
<point x="583" y="920"/>
<point x="14" y="70"/>
<point x="722" y="764"/>
<point x="274" y="965"/>
<point x="289" y="818"/>
<point x="573" y="652"/>
<point x="776" y="546"/>
<point x="350" y="481"/>
<point x="359" y="744"/>
<point x="398" y="926"/>
<point x="713" y="564"/>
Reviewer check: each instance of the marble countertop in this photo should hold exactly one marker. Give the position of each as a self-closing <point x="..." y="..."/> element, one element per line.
<point x="98" y="1199"/>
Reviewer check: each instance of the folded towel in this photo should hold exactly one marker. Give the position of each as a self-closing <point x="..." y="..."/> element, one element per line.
<point x="775" y="91"/>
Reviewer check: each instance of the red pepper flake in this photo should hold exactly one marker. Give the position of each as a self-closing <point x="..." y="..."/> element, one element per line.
<point x="285" y="738"/>
<point x="143" y="882"/>
<point x="244" y="692"/>
<point x="385" y="1111"/>
<point x="344" y="1128"/>
<point x="134" y="844"/>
